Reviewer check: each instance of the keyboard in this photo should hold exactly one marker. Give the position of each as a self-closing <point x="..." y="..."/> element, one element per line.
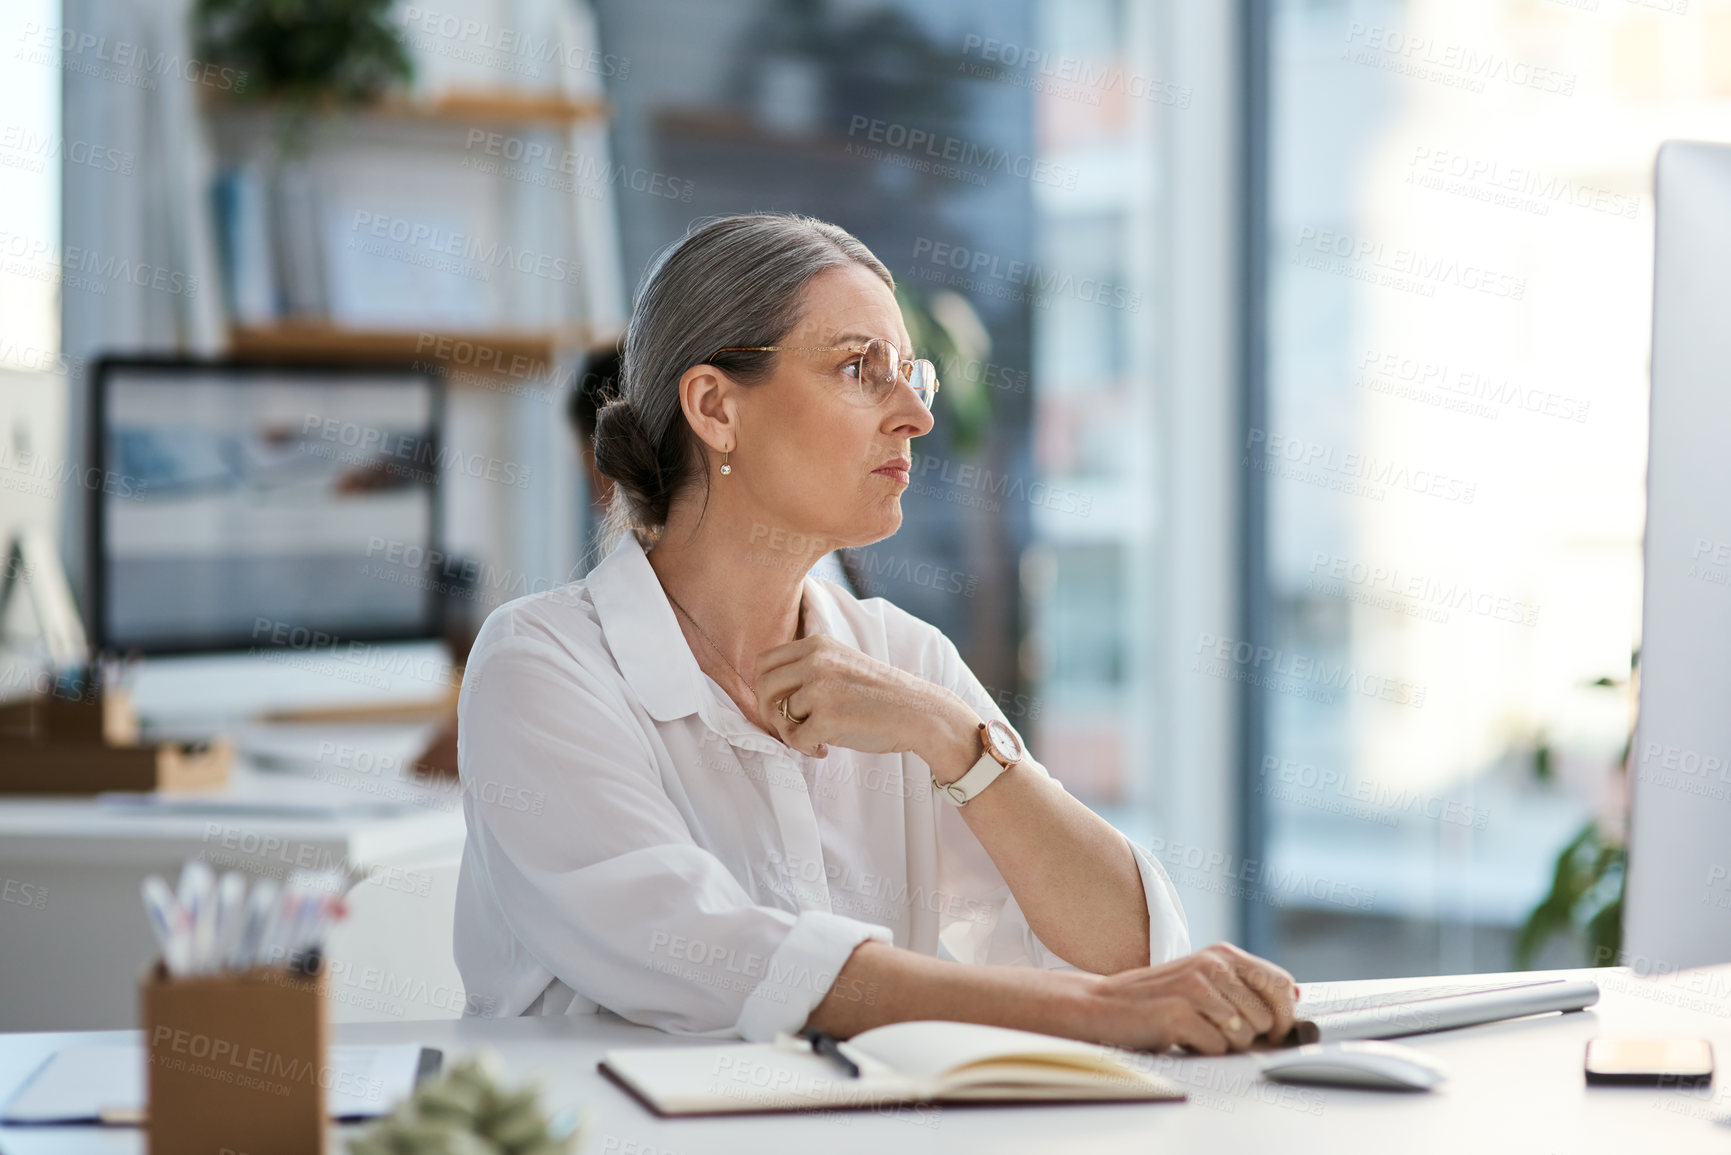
<point x="1395" y="998"/>
<point x="1415" y="1010"/>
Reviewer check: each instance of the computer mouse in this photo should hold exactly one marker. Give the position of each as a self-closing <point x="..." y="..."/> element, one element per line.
<point x="1361" y="1063"/>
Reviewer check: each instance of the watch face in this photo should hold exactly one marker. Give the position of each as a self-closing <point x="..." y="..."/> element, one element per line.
<point x="1004" y="742"/>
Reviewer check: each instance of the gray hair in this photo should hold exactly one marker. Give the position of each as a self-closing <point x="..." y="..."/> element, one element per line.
<point x="736" y="280"/>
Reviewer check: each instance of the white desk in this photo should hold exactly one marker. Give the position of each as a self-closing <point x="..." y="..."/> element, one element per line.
<point x="1516" y="1087"/>
<point x="73" y="935"/>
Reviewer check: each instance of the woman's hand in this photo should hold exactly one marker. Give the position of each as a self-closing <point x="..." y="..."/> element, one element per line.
<point x="851" y="699"/>
<point x="1216" y="1000"/>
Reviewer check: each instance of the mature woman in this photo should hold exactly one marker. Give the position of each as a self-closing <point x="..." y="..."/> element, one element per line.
<point x="715" y="794"/>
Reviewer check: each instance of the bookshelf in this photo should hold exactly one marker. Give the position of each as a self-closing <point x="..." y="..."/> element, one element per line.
<point x="397" y="233"/>
<point x="241" y="131"/>
<point x="461" y="106"/>
<point x="481" y="106"/>
<point x="320" y="341"/>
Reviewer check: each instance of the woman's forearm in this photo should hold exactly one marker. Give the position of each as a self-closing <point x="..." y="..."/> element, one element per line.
<point x="1073" y="875"/>
<point x="1213" y="1001"/>
<point x="882" y="984"/>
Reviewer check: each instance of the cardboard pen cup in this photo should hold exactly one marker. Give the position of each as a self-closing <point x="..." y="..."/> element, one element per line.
<point x="236" y="1062"/>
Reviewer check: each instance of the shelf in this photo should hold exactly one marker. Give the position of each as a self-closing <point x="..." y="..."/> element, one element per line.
<point x="454" y="106"/>
<point x="514" y="353"/>
<point x="500" y="106"/>
<point x="733" y="130"/>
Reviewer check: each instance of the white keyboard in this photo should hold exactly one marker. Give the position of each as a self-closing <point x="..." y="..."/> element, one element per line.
<point x="1415" y="1010"/>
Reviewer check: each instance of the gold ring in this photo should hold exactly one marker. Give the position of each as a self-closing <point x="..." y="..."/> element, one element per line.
<point x="781" y="708"/>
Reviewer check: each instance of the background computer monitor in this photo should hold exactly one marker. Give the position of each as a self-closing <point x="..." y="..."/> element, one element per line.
<point x="239" y="506"/>
<point x="1678" y="890"/>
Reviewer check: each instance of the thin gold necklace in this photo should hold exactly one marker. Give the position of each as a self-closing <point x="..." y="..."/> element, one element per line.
<point x="704" y="634"/>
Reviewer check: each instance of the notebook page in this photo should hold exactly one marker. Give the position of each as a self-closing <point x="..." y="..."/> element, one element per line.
<point x="928" y="1050"/>
<point x="752" y="1077"/>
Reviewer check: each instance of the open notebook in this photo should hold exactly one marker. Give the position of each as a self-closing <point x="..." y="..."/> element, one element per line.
<point x="919" y="1062"/>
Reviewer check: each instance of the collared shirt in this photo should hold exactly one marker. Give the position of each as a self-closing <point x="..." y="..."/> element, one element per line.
<point x="636" y="844"/>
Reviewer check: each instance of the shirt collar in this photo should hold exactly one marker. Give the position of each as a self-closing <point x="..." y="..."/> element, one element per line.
<point x="640" y="627"/>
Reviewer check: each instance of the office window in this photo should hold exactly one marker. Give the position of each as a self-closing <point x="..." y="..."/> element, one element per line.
<point x="1456" y="314"/>
<point x="1001" y="160"/>
<point x="30" y="154"/>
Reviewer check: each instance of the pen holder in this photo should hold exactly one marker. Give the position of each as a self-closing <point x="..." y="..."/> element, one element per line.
<point x="236" y="1062"/>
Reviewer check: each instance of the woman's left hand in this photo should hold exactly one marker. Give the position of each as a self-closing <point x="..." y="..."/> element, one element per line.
<point x="851" y="699"/>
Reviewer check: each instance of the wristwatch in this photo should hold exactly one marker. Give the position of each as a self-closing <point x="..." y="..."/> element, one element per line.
<point x="1002" y="751"/>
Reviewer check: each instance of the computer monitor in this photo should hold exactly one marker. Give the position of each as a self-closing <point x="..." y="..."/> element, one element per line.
<point x="1677" y="901"/>
<point x="235" y="506"/>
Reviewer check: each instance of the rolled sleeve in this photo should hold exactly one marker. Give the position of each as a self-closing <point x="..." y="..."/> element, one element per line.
<point x="579" y="868"/>
<point x="802" y="971"/>
<point x="1168" y="929"/>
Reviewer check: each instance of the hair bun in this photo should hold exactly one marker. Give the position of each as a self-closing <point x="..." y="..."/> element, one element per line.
<point x="625" y="453"/>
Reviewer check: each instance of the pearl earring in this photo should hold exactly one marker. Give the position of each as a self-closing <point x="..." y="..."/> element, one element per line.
<point x="725" y="467"/>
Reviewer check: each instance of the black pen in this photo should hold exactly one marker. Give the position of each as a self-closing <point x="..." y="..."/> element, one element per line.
<point x="825" y="1045"/>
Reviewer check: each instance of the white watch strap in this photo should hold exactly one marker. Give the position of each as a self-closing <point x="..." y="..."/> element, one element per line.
<point x="979" y="776"/>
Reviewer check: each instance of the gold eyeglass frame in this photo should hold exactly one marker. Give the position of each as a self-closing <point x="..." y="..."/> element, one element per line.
<point x="905" y="366"/>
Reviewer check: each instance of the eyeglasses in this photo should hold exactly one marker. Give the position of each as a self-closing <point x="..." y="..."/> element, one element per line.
<point x="879" y="367"/>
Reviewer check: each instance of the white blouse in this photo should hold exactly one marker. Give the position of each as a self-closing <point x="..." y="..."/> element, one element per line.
<point x="636" y="844"/>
